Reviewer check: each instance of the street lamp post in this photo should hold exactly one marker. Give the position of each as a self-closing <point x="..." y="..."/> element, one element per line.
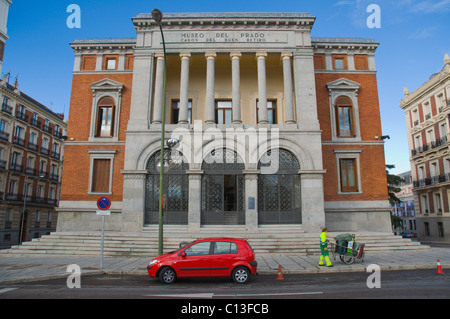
<point x="157" y="16"/>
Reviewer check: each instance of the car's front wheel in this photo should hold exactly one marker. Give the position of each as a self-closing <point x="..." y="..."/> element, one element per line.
<point x="241" y="275"/>
<point x="167" y="275"/>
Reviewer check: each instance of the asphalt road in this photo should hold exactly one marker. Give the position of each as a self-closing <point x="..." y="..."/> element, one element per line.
<point x="422" y="284"/>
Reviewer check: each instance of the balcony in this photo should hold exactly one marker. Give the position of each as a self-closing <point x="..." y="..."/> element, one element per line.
<point x="56" y="155"/>
<point x="434" y="180"/>
<point x="33" y="147"/>
<point x="16" y="167"/>
<point x="19" y="141"/>
<point x="45" y="151"/>
<point x="36" y="123"/>
<point x="22" y="116"/>
<point x="14" y="197"/>
<point x="4" y="136"/>
<point x="6" y="108"/>
<point x="435" y="144"/>
<point x="48" y="129"/>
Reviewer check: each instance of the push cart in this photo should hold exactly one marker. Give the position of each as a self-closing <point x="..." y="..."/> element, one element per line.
<point x="347" y="249"/>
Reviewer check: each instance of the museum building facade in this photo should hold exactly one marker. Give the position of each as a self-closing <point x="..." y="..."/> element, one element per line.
<point x="274" y="127"/>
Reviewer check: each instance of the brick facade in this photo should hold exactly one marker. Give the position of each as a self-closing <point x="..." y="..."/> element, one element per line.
<point x="343" y="178"/>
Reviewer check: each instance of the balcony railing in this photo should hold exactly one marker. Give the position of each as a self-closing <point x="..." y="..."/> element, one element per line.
<point x="36" y="123"/>
<point x="4" y="136"/>
<point x="6" y="108"/>
<point x="437" y="143"/>
<point x="19" y="141"/>
<point x="48" y="129"/>
<point x="31" y="199"/>
<point x="33" y="147"/>
<point x="22" y="116"/>
<point x="434" y="180"/>
<point x="16" y="167"/>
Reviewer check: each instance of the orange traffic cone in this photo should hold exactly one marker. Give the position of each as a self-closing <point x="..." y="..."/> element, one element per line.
<point x="280" y="273"/>
<point x="439" y="269"/>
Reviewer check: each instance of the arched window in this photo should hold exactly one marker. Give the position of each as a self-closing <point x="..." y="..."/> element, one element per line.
<point x="344" y="117"/>
<point x="176" y="190"/>
<point x="105" y="117"/>
<point x="279" y="194"/>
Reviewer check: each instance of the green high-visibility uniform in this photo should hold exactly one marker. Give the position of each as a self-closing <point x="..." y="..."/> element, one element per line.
<point x="325" y="255"/>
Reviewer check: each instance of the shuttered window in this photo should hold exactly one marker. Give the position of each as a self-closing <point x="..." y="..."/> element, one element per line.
<point x="101" y="175"/>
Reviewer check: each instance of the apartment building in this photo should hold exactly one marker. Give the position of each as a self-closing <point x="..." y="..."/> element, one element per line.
<point x="31" y="154"/>
<point x="427" y="112"/>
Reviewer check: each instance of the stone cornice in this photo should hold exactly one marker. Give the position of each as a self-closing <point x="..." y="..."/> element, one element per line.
<point x="436" y="80"/>
<point x="344" y="45"/>
<point x="188" y="21"/>
<point x="104" y="46"/>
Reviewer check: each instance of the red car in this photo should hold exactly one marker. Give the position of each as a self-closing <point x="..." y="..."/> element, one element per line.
<point x="209" y="257"/>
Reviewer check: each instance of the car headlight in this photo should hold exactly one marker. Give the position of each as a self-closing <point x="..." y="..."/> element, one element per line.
<point x="154" y="261"/>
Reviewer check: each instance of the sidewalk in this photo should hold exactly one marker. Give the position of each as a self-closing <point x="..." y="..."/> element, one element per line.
<point x="15" y="270"/>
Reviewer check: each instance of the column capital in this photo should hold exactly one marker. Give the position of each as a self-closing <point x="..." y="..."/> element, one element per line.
<point x="210" y="55"/>
<point x="286" y="55"/>
<point x="235" y="55"/>
<point x="159" y="56"/>
<point x="185" y="55"/>
<point x="261" y="55"/>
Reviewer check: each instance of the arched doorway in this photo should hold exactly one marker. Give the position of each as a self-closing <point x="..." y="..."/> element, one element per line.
<point x="176" y="191"/>
<point x="279" y="194"/>
<point x="223" y="189"/>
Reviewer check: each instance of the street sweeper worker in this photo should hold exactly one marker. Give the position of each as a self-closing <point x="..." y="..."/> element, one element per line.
<point x="324" y="248"/>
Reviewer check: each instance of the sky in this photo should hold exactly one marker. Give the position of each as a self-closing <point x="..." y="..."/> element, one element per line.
<point x="413" y="35"/>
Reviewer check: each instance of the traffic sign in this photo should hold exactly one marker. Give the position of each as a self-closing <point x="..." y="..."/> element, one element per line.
<point x="103" y="213"/>
<point x="104" y="203"/>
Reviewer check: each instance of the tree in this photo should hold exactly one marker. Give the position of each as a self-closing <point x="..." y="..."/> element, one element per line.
<point x="393" y="182"/>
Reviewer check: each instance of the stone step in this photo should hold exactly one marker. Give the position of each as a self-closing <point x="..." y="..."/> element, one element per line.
<point x="268" y="241"/>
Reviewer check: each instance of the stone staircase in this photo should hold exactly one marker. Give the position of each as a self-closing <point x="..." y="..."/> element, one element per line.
<point x="267" y="241"/>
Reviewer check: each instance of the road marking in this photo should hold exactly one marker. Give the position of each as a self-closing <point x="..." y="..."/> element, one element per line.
<point x="212" y="295"/>
<point x="199" y="296"/>
<point x="274" y="294"/>
<point x="2" y="291"/>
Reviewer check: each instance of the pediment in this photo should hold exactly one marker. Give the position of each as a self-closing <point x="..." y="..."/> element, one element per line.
<point x="107" y="84"/>
<point x="343" y="84"/>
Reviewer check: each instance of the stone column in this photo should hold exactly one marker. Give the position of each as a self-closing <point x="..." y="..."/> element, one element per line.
<point x="133" y="205"/>
<point x="288" y="97"/>
<point x="251" y="199"/>
<point x="313" y="210"/>
<point x="159" y="89"/>
<point x="195" y="195"/>
<point x="142" y="92"/>
<point x="262" y="88"/>
<point x="305" y="91"/>
<point x="236" y="87"/>
<point x="184" y="89"/>
<point x="210" y="88"/>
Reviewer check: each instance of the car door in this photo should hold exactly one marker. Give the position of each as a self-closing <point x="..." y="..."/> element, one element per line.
<point x="194" y="261"/>
<point x="225" y="254"/>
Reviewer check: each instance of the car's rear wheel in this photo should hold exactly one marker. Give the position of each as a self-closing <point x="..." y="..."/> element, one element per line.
<point x="241" y="275"/>
<point x="167" y="275"/>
